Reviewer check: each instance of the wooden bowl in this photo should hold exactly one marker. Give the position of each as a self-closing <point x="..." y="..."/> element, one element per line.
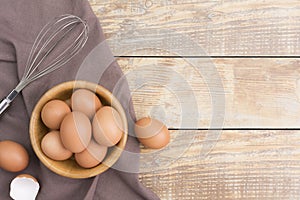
<point x="69" y="168"/>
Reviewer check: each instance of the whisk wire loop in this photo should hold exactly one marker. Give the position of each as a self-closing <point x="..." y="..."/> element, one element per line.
<point x="46" y="44"/>
<point x="33" y="65"/>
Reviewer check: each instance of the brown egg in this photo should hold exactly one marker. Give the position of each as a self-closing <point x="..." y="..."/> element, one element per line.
<point x="107" y="126"/>
<point x="152" y="133"/>
<point x="85" y="101"/>
<point x="92" y="155"/>
<point x="13" y="156"/>
<point x="76" y="131"/>
<point x="53" y="147"/>
<point x="53" y="113"/>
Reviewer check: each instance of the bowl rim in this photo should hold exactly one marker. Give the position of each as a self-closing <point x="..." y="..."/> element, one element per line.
<point x="36" y="117"/>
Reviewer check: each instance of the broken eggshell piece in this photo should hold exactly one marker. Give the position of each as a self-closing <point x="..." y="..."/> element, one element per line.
<point x="24" y="187"/>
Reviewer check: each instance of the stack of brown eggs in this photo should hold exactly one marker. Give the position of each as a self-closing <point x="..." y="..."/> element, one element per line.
<point x="80" y="126"/>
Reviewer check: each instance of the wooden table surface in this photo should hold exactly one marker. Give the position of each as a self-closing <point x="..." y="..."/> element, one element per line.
<point x="225" y="78"/>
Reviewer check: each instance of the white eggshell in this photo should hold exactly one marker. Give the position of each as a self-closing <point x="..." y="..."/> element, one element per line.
<point x="24" y="188"/>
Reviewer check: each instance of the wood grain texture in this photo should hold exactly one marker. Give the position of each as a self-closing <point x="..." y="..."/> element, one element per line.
<point x="248" y="27"/>
<point x="259" y="92"/>
<point x="242" y="165"/>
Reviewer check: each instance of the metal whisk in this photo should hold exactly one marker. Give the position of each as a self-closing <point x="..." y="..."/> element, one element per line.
<point x="56" y="44"/>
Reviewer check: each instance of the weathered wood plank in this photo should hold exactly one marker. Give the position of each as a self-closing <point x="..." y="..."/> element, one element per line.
<point x="259" y="92"/>
<point x="248" y="27"/>
<point x="242" y="165"/>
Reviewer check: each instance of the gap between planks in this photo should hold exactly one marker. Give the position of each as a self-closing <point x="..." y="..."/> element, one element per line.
<point x="186" y="56"/>
<point x="233" y="129"/>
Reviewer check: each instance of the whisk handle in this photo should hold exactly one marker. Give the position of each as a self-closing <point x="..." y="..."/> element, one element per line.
<point x="4" y="104"/>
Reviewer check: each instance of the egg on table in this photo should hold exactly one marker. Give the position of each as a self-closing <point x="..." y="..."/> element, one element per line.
<point x="152" y="133"/>
<point x="13" y="156"/>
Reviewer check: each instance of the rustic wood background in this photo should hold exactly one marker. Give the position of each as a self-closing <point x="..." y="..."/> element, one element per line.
<point x="254" y="46"/>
